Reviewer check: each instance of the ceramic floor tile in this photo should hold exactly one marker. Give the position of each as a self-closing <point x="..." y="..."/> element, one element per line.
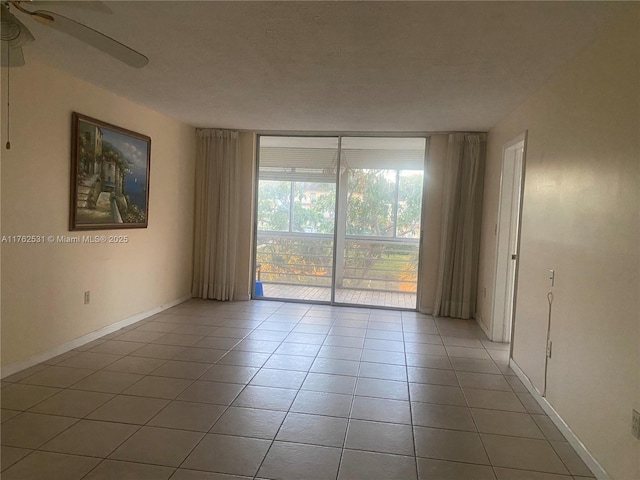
<point x="180" y="369"/>
<point x="198" y="417"/>
<point x="22" y="397"/>
<point x="548" y="428"/>
<point x="158" y="446"/>
<point x="451" y="445"/>
<point x="244" y="359"/>
<point x="523" y="453"/>
<point x="292" y="461"/>
<point x="228" y="454"/>
<point x="211" y="392"/>
<point x="512" y="474"/>
<point x="216" y="343"/>
<point x="268" y="398"/>
<point x="94" y="360"/>
<point x="32" y="430"/>
<point x="432" y="376"/>
<point x="383" y="371"/>
<point x="107" y="381"/>
<point x="27" y="372"/>
<point x="200" y="355"/>
<point x="506" y="423"/>
<point x="493" y="399"/>
<point x="271" y="335"/>
<point x="381" y="410"/>
<point x="117" y="347"/>
<point x="139" y="365"/>
<point x="425" y="349"/>
<point x="571" y="459"/>
<point x="484" y="381"/>
<point x="324" y="382"/>
<point x="91" y="438"/>
<point x="386" y="345"/>
<point x="530" y="404"/>
<point x="8" y="414"/>
<point x="158" y="387"/>
<point x="10" y="455"/>
<point x="289" y="362"/>
<point x="177" y="339"/>
<point x="373" y="387"/>
<point x="305" y="338"/>
<point x="128" y="409"/>
<point x="430" y="469"/>
<point x="52" y="466"/>
<point x="61" y="377"/>
<point x="466" y="352"/>
<point x="115" y="469"/>
<point x="340" y="341"/>
<point x="335" y="366"/>
<point x="474" y="365"/>
<point x="249" y="422"/>
<point x="313" y="429"/>
<point x="428" y="361"/>
<point x="422" y="338"/>
<point x="184" y="474"/>
<point x="153" y="350"/>
<point x="298" y="349"/>
<point x="379" y="356"/>
<point x="442" y="416"/>
<point x="320" y="403"/>
<point x="340" y="353"/>
<point x="230" y="374"/>
<point x="359" y="465"/>
<point x="380" y="437"/>
<point x="439" y="394"/>
<point x="72" y="403"/>
<point x="278" y="378"/>
<point x="139" y="336"/>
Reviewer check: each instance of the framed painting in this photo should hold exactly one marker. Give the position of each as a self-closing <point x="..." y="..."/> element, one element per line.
<point x="109" y="176"/>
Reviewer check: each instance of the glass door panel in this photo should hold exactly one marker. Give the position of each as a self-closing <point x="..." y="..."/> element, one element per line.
<point x="381" y="185"/>
<point x="296" y="217"/>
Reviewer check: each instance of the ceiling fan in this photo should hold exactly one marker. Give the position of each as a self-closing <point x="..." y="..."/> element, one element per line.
<point x="15" y="34"/>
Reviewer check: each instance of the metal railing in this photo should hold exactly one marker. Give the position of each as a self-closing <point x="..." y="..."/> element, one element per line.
<point x="370" y="263"/>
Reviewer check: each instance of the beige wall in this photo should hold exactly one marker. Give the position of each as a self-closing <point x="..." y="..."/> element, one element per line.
<point x="43" y="284"/>
<point x="580" y="217"/>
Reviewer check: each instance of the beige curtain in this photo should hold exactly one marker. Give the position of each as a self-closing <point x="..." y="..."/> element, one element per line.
<point x="216" y="216"/>
<point x="461" y="218"/>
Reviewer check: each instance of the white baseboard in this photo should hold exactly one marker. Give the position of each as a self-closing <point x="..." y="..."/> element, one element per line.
<point x="90" y="337"/>
<point x="573" y="440"/>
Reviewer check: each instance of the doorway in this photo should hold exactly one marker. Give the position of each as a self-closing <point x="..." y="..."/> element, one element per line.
<point x="508" y="235"/>
<point x="338" y="219"/>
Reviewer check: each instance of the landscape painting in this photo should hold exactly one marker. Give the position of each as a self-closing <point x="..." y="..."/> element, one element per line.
<point x="109" y="176"/>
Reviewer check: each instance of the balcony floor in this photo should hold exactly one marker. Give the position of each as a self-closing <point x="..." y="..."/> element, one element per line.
<point x="343" y="295"/>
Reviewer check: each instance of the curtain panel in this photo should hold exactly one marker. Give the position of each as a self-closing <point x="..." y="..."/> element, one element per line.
<point x="216" y="216"/>
<point x="461" y="220"/>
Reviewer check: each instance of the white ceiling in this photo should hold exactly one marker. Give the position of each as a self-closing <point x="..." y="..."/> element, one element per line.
<point x="330" y="66"/>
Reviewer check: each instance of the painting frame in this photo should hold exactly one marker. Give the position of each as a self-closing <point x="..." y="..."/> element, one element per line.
<point x="106" y="163"/>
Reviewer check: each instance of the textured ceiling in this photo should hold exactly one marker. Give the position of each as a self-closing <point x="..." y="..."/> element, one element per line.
<point x="330" y="66"/>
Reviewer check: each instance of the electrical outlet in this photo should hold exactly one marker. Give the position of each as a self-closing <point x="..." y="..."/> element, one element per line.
<point x="87" y="297"/>
<point x="635" y="423"/>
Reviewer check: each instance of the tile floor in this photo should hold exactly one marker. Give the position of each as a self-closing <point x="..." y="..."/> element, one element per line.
<point x="269" y="390"/>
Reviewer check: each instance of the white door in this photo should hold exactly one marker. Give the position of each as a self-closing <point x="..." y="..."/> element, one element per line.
<point x="507" y="232"/>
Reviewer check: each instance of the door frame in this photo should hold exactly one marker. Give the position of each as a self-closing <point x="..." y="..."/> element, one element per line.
<point x="511" y="196"/>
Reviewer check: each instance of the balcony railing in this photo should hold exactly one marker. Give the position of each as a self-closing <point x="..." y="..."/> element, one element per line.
<point x="365" y="263"/>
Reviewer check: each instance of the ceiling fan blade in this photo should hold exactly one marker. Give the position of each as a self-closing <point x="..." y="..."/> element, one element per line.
<point x="95" y="6"/>
<point x="96" y="39"/>
<point x="11" y="57"/>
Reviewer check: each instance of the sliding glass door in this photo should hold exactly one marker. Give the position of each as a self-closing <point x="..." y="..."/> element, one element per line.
<point x="338" y="219"/>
